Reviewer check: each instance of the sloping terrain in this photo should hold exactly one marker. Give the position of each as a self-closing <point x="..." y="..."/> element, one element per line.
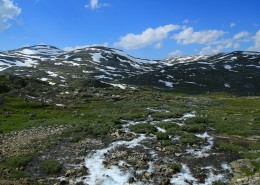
<point x="62" y="121"/>
<point x="234" y="72"/>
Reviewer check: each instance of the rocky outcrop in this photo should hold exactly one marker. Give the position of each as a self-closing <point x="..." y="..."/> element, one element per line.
<point x="250" y="180"/>
<point x="244" y="173"/>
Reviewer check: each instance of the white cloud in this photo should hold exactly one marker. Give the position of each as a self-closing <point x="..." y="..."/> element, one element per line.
<point x="7" y="12"/>
<point x="94" y="4"/>
<point x="85" y="46"/>
<point x="175" y="53"/>
<point x="232" y="25"/>
<point x="36" y="1"/>
<point x="186" y="21"/>
<point x="236" y="45"/>
<point x="158" y="45"/>
<point x="256" y="38"/>
<point x="225" y="44"/>
<point x="240" y="35"/>
<point x="209" y="50"/>
<point x="147" y="37"/>
<point x="188" y="36"/>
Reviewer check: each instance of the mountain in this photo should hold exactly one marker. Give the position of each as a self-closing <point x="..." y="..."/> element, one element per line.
<point x="236" y="71"/>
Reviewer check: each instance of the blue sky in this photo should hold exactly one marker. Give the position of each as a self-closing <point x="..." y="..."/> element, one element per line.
<point x="154" y="29"/>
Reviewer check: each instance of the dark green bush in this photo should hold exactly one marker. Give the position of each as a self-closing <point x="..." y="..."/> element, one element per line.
<point x="218" y="182"/>
<point x="230" y="147"/>
<point x="17" y="174"/>
<point x="51" y="166"/>
<point x="18" y="161"/>
<point x="173" y="131"/>
<point x="167" y="143"/>
<point x="168" y="125"/>
<point x="75" y="139"/>
<point x="175" y="166"/>
<point x="197" y="120"/>
<point x="192" y="128"/>
<point x="162" y="136"/>
<point x="144" y="128"/>
<point x="188" y="139"/>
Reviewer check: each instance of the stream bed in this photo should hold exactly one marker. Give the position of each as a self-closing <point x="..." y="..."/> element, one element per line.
<point x="140" y="159"/>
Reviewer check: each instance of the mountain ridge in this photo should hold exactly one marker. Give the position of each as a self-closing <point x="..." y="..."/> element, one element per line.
<point x="236" y="71"/>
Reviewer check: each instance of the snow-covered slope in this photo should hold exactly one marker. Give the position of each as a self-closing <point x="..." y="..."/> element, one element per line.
<point x="237" y="71"/>
<point x="28" y="56"/>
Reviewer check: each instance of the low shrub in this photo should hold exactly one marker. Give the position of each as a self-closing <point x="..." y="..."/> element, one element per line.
<point x="18" y="161"/>
<point x="17" y="174"/>
<point x="193" y="128"/>
<point x="51" y="166"/>
<point x="188" y="139"/>
<point x="167" y="143"/>
<point x="230" y="147"/>
<point x="247" y="171"/>
<point x="197" y="120"/>
<point x="175" y="166"/>
<point x="144" y="128"/>
<point x="162" y="136"/>
<point x="218" y="182"/>
<point x="168" y="125"/>
<point x="75" y="139"/>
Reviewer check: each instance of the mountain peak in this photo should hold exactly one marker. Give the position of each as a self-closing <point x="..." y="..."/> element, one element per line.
<point x="39" y="50"/>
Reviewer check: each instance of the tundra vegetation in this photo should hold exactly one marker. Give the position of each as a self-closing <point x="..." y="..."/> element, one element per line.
<point x="97" y="113"/>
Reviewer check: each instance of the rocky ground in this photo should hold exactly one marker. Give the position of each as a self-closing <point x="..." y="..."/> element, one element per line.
<point x="128" y="158"/>
<point x="124" y="155"/>
<point x="28" y="141"/>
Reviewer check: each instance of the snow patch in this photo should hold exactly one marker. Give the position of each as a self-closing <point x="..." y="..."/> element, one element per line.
<point x="52" y="83"/>
<point x="184" y="177"/>
<point x="203" y="151"/>
<point x="168" y="84"/>
<point x="134" y="59"/>
<point x="160" y="129"/>
<point x="207" y="63"/>
<point x="28" y="52"/>
<point x="99" y="174"/>
<point x="189" y="115"/>
<point x="103" y="77"/>
<point x="227" y="67"/>
<point x="52" y="74"/>
<point x="97" y="56"/>
<point x="251" y="65"/>
<point x="121" y="86"/>
<point x="227" y="85"/>
<point x="44" y="79"/>
<point x="88" y="72"/>
<point x="71" y="62"/>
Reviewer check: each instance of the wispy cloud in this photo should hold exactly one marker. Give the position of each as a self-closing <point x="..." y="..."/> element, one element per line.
<point x="209" y="50"/>
<point x="175" y="53"/>
<point x="36" y="1"/>
<point x="95" y="4"/>
<point x="146" y="38"/>
<point x="189" y="36"/>
<point x="232" y="25"/>
<point x="186" y="21"/>
<point x="241" y="35"/>
<point x="8" y="11"/>
<point x="256" y="46"/>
